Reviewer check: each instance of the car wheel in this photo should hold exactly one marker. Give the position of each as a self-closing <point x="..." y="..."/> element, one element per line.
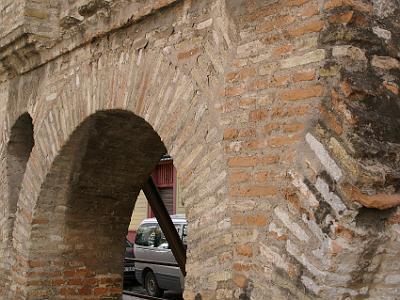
<point x="151" y="285"/>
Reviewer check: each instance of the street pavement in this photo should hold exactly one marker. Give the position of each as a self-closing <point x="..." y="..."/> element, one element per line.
<point x="168" y="295"/>
<point x="126" y="297"/>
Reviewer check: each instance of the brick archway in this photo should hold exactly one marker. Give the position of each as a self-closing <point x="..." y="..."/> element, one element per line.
<point x="282" y="118"/>
<point x="170" y="102"/>
<point x="18" y="150"/>
<point x="84" y="207"/>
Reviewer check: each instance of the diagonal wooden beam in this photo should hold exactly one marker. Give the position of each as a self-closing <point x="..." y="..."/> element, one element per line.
<point x="164" y="220"/>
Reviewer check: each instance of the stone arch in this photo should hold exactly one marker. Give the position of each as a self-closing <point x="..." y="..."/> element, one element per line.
<point x="174" y="107"/>
<point x="17" y="153"/>
<point x="84" y="206"/>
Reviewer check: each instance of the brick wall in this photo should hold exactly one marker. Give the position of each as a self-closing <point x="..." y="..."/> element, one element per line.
<point x="281" y="116"/>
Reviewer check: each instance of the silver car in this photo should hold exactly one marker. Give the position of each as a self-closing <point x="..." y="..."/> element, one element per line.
<point x="156" y="267"/>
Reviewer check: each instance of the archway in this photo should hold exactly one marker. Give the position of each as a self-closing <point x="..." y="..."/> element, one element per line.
<point x="19" y="148"/>
<point x="17" y="153"/>
<point x="85" y="204"/>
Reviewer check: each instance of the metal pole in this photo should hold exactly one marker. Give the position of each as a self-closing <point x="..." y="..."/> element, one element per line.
<point x="164" y="220"/>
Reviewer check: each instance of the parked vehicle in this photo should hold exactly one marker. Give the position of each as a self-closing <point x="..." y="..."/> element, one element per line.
<point x="156" y="267"/>
<point x="129" y="263"/>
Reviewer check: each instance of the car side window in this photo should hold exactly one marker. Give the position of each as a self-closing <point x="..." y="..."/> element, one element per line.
<point x="163" y="240"/>
<point x="148" y="235"/>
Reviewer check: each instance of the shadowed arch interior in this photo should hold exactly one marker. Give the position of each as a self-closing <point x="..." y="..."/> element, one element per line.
<point x="86" y="202"/>
<point x="18" y="151"/>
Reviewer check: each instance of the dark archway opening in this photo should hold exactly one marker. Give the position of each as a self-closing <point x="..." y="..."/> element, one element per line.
<point x="85" y="206"/>
<point x="19" y="149"/>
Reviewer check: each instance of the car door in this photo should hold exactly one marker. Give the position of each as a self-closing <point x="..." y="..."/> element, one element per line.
<point x="145" y="250"/>
<point x="168" y="275"/>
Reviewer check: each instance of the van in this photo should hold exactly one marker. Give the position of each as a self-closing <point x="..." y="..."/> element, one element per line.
<point x="156" y="267"/>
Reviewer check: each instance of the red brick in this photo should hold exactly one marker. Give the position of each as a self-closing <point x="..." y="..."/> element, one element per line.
<point x="281" y="50"/>
<point x="247" y="132"/>
<point x="391" y="86"/>
<point x="238" y="177"/>
<point x="230" y="133"/>
<point x="74" y="281"/>
<point x="284" y="140"/>
<point x="262" y="176"/>
<point x="188" y="54"/>
<point x="242" y="161"/>
<point x="241" y="267"/>
<point x="343" y="18"/>
<point x="312" y="26"/>
<point x="294" y="127"/>
<point x="234" y="91"/>
<point x="276" y="23"/>
<point x="259" y="114"/>
<point x="101" y="291"/>
<point x="84" y="291"/>
<point x="245" y="250"/>
<point x="255" y="144"/>
<point x="257" y="220"/>
<point x="253" y="191"/>
<point x="331" y="121"/>
<point x="309" y="10"/>
<point x="302" y="93"/>
<point x="247" y="102"/>
<point x="268" y="159"/>
<point x="240" y="280"/>
<point x="69" y="273"/>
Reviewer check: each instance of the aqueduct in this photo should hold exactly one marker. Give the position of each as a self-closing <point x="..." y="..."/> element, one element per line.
<point x="282" y="118"/>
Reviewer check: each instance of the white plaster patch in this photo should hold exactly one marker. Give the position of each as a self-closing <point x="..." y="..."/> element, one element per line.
<point x="392" y="279"/>
<point x="382" y="33"/>
<point x="292" y="249"/>
<point x="278" y="231"/>
<point x="292" y="226"/>
<point x="273" y="257"/>
<point x="313" y="226"/>
<point x="204" y="24"/>
<point x="350" y="51"/>
<point x="298" y="182"/>
<point x="56" y="238"/>
<point x="307" y="58"/>
<point x="139" y="59"/>
<point x="235" y="146"/>
<point x="250" y="47"/>
<point x="323" y="155"/>
<point x="51" y="97"/>
<point x="310" y="284"/>
<point x="333" y="200"/>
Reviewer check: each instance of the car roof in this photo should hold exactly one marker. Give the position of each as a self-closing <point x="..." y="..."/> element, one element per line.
<point x="176" y="219"/>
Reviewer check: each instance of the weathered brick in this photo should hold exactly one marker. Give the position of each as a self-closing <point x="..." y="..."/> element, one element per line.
<point x="307" y="58"/>
<point x="302" y="93"/>
<point x="311" y="26"/>
<point x="304" y="75"/>
<point x="245" y="250"/>
<point x="269" y="108"/>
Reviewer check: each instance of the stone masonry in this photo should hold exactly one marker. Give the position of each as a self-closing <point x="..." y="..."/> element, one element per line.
<point x="282" y="116"/>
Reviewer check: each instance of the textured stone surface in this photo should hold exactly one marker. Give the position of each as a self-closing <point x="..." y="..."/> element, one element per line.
<point x="282" y="118"/>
